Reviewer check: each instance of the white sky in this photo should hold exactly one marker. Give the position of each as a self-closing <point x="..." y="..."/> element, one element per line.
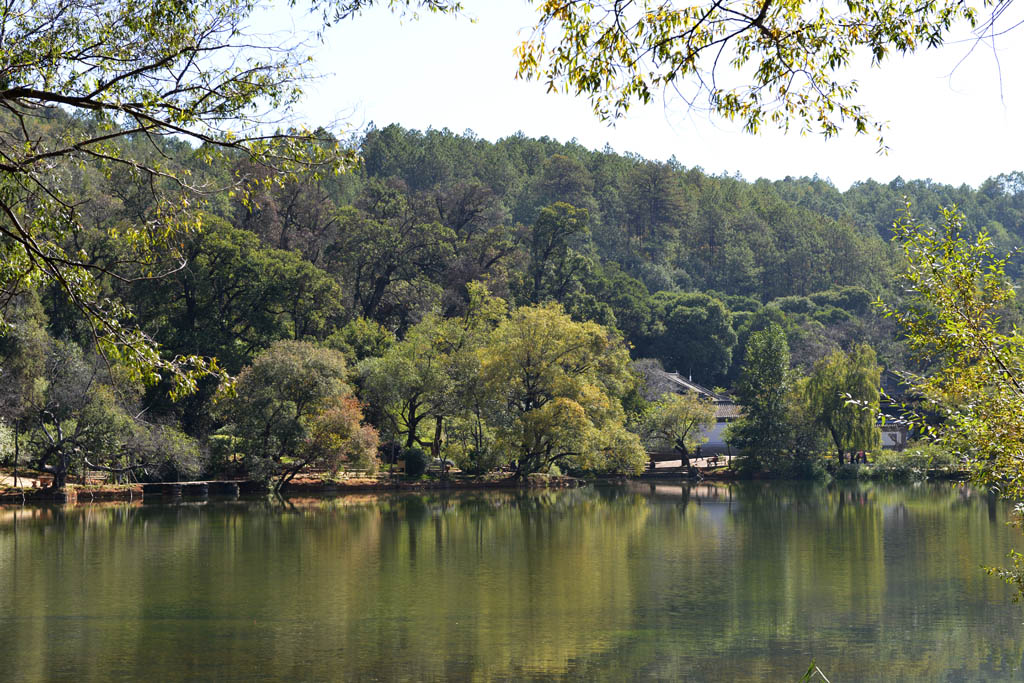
<point x="447" y="72"/>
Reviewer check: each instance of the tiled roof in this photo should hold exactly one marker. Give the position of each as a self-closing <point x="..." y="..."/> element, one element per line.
<point x="689" y="385"/>
<point x="729" y="410"/>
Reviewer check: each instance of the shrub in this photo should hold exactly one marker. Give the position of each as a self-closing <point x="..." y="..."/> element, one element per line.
<point x="479" y="462"/>
<point x="223" y="459"/>
<point x="913" y="463"/>
<point x="794" y="304"/>
<point x="899" y="466"/>
<point x="848" y="471"/>
<point x="415" y="462"/>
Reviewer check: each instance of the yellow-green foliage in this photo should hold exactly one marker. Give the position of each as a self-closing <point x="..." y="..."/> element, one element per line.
<point x="843" y="395"/>
<point x="762" y="63"/>
<point x="560" y="384"/>
<point x="679" y="421"/>
<point x="956" y="292"/>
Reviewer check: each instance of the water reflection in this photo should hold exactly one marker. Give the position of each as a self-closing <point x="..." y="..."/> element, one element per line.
<point x="709" y="582"/>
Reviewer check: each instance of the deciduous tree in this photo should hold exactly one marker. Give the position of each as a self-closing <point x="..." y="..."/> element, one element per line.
<point x="294" y="407"/>
<point x="680" y="421"/>
<point x="843" y="393"/>
<point x="762" y="389"/>
<point x="560" y="383"/>
<point x="956" y="291"/>
<point x="780" y="63"/>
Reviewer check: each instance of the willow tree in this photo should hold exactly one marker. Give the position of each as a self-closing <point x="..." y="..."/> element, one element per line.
<point x="843" y="395"/>
<point x="558" y="385"/>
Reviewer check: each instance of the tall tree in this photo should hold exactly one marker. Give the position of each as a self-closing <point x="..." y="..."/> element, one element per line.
<point x="560" y="385"/>
<point x="654" y="201"/>
<point x="410" y="383"/>
<point x="763" y="387"/>
<point x="388" y="265"/>
<point x="955" y="295"/>
<point x="555" y="265"/>
<point x="843" y="392"/>
<point x="294" y="407"/>
<point x="423" y="380"/>
<point x="693" y="335"/>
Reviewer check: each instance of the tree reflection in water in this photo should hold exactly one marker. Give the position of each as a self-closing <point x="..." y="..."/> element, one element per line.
<point x="725" y="582"/>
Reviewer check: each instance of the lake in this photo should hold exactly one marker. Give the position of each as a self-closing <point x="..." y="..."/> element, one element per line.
<point x="746" y="582"/>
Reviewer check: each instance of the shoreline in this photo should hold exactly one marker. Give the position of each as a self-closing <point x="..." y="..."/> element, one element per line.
<point x="200" y="490"/>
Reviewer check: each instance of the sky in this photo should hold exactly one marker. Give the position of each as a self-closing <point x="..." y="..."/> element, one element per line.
<point x="949" y="123"/>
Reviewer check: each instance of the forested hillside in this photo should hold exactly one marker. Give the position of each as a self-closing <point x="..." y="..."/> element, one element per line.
<point x="686" y="266"/>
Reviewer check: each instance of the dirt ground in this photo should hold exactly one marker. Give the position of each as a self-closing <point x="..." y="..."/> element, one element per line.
<point x="28" y="482"/>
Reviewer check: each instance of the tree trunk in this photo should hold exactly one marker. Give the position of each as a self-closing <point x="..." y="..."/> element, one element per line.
<point x="839" y="448"/>
<point x="16" y="453"/>
<point x="286" y="478"/>
<point x="435" y="445"/>
<point x="414" y="423"/>
<point x="59" y="473"/>
<point x="685" y="457"/>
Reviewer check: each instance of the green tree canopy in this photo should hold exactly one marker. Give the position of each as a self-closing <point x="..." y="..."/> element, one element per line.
<point x="680" y="421"/>
<point x="956" y="293"/>
<point x="428" y="376"/>
<point x="693" y="335"/>
<point x="763" y="389"/>
<point x="843" y="393"/>
<point x="293" y="407"/>
<point x="560" y="383"/>
<point x="555" y="265"/>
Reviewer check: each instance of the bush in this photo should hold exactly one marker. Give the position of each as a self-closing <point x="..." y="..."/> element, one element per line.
<point x="6" y="443"/>
<point x="899" y="466"/>
<point x="480" y="462"/>
<point x="806" y="468"/>
<point x="849" y="470"/>
<point x="832" y="316"/>
<point x="223" y="459"/>
<point x="913" y="463"/>
<point x="415" y="462"/>
<point x="794" y="304"/>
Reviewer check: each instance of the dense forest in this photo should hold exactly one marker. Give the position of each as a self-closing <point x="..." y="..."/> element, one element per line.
<point x="400" y="305"/>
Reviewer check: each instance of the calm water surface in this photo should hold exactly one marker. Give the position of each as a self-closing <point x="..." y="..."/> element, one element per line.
<point x="741" y="583"/>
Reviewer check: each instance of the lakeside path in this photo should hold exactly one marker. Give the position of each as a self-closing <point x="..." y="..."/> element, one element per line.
<point x="699" y="463"/>
<point x="7" y="480"/>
